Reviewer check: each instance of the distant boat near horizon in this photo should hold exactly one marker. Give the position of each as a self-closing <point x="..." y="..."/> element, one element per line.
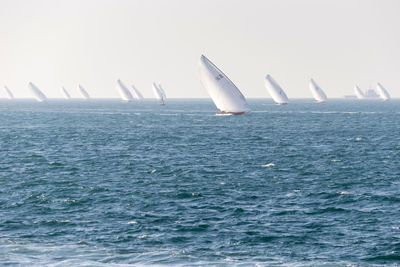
<point x="9" y="94"/>
<point x="226" y="96"/>
<point x="370" y="94"/>
<point x="123" y="91"/>
<point x="37" y="94"/>
<point x="317" y="92"/>
<point x="382" y="92"/>
<point x="65" y="93"/>
<point x="162" y="91"/>
<point x="275" y="91"/>
<point x="136" y="93"/>
<point x="358" y="93"/>
<point x="83" y="92"/>
<point x="158" y="94"/>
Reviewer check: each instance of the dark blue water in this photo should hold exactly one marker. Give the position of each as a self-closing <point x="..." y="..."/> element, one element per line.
<point x="107" y="183"/>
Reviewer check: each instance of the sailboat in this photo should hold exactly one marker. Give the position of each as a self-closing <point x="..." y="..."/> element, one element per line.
<point x="382" y="92"/>
<point x="136" y="93"/>
<point x="226" y="96"/>
<point x="65" y="93"/>
<point x="83" y="92"/>
<point x="276" y="92"/>
<point x="317" y="92"/>
<point x="359" y="94"/>
<point x="8" y="93"/>
<point x="124" y="91"/>
<point x="37" y="94"/>
<point x="158" y="94"/>
<point x="162" y="91"/>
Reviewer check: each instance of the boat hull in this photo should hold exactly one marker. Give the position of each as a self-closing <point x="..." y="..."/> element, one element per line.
<point x="225" y="113"/>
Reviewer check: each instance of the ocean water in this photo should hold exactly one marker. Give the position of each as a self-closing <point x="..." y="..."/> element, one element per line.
<point x="105" y="183"/>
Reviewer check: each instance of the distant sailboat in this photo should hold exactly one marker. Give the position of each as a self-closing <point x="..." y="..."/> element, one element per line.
<point x="158" y="94"/>
<point x="359" y="94"/>
<point x="162" y="91"/>
<point x="37" y="94"/>
<point x="224" y="93"/>
<point x="65" y="93"/>
<point x="136" y="93"/>
<point x="8" y="93"/>
<point x="276" y="92"/>
<point x="83" y="92"/>
<point x="382" y="92"/>
<point x="124" y="91"/>
<point x="317" y="92"/>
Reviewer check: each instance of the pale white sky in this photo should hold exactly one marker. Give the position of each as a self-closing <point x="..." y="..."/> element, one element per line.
<point x="339" y="43"/>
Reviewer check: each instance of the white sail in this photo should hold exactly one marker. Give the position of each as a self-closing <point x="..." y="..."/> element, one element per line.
<point x="276" y="92"/>
<point x="383" y="93"/>
<point x="83" y="92"/>
<point x="158" y="94"/>
<point x="136" y="93"/>
<point x="162" y="91"/>
<point x="65" y="93"/>
<point x="37" y="94"/>
<point x="359" y="94"/>
<point x="226" y="96"/>
<point x="8" y="93"/>
<point x="317" y="92"/>
<point x="124" y="91"/>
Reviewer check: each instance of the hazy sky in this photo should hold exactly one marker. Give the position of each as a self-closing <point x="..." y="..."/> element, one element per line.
<point x="339" y="43"/>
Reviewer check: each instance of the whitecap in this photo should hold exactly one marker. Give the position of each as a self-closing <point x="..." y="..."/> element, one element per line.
<point x="268" y="165"/>
<point x="130" y="222"/>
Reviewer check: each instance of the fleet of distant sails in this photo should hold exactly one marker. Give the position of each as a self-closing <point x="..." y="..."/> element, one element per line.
<point x="226" y="96"/>
<point x="229" y="100"/>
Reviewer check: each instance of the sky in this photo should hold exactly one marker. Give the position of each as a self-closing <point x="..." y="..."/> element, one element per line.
<point x="338" y="43"/>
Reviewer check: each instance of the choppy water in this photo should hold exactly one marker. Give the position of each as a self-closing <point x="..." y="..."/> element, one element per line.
<point x="103" y="182"/>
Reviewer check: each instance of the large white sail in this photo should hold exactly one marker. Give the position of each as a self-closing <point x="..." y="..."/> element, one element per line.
<point x="276" y="92"/>
<point x="317" y="92"/>
<point x="83" y="92"/>
<point x="359" y="94"/>
<point x="37" y="94"/>
<point x="65" y="93"/>
<point x="136" y="93"/>
<point x="158" y="94"/>
<point x="226" y="96"/>
<point x="124" y="91"/>
<point x="8" y="93"/>
<point x="382" y="92"/>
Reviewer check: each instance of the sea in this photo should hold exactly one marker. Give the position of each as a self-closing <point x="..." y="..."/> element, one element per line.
<point x="107" y="183"/>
